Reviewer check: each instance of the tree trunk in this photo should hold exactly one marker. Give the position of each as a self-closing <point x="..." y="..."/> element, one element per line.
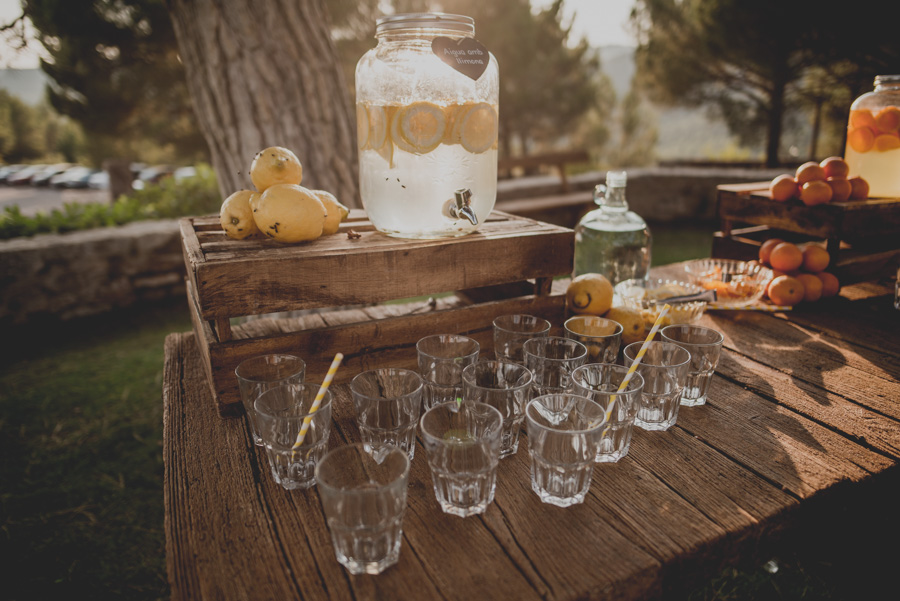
<point x="120" y="177"/>
<point x="265" y="73"/>
<point x="776" y="112"/>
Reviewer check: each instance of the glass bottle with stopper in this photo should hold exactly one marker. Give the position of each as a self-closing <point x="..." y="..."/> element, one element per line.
<point x="612" y="240"/>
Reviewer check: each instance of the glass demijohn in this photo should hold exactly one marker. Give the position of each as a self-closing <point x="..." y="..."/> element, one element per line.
<point x="873" y="144"/>
<point x="427" y="116"/>
<point x="611" y="240"/>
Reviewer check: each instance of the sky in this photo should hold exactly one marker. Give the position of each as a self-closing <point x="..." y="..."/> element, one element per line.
<point x="603" y="22"/>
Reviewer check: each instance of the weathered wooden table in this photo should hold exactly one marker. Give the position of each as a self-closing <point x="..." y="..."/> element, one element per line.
<point x="803" y="418"/>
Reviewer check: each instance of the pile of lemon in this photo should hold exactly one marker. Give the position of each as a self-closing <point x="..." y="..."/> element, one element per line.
<point x="281" y="208"/>
<point x="592" y="294"/>
<point x="421" y="127"/>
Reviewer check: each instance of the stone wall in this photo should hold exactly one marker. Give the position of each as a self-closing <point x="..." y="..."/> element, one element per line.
<point x="86" y="273"/>
<point x="90" y="272"/>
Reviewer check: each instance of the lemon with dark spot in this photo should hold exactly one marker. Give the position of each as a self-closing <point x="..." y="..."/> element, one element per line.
<point x="289" y="213"/>
<point x="236" y="215"/>
<point x="275" y="165"/>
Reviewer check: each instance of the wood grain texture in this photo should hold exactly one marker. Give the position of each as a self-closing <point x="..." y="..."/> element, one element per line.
<point x="791" y="434"/>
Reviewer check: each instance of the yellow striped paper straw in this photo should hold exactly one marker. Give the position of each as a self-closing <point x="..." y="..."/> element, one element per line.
<point x="634" y="365"/>
<point x="318" y="401"/>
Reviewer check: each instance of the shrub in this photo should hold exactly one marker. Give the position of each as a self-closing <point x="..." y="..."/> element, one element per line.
<point x="198" y="195"/>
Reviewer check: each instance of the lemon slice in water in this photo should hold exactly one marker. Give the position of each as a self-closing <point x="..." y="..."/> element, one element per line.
<point x="478" y="128"/>
<point x="418" y="128"/>
<point x="362" y="126"/>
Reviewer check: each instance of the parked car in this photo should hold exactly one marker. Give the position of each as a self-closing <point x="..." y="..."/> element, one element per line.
<point x="152" y="175"/>
<point x="184" y="173"/>
<point x="42" y="178"/>
<point x="7" y="170"/>
<point x="99" y="181"/>
<point x="23" y="176"/>
<point x="76" y="177"/>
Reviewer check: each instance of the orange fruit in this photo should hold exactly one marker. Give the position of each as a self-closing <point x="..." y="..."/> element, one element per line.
<point x="886" y="142"/>
<point x="766" y="249"/>
<point x="859" y="188"/>
<point x="835" y="167"/>
<point x="815" y="193"/>
<point x="812" y="287"/>
<point x="861" y="139"/>
<point x="809" y="172"/>
<point x="785" y="290"/>
<point x="783" y="188"/>
<point x="815" y="258"/>
<point x="840" y="189"/>
<point x="830" y="283"/>
<point x="862" y="118"/>
<point x="888" y="119"/>
<point x="786" y="257"/>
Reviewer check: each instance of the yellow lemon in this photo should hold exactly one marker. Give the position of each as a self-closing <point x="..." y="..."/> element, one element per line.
<point x="336" y="211"/>
<point x="362" y="126"/>
<point x="275" y="165"/>
<point x="236" y="215"/>
<point x="289" y="213"/>
<point x="589" y="294"/>
<point x="632" y="323"/>
<point x="478" y="128"/>
<point x="419" y="127"/>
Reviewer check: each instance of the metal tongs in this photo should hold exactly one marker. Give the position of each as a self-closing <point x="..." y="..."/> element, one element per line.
<point x="709" y="296"/>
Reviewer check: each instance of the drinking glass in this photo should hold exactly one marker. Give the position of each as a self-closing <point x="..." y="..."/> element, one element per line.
<point x="388" y="402"/>
<point x="462" y="443"/>
<point x="705" y="347"/>
<point x="552" y="360"/>
<point x="442" y="358"/>
<point x="600" y="382"/>
<point x="280" y="413"/>
<point x="664" y="368"/>
<point x="564" y="432"/>
<point x="602" y="337"/>
<point x="506" y="387"/>
<point x="257" y="374"/>
<point x="511" y="332"/>
<point x="363" y="494"/>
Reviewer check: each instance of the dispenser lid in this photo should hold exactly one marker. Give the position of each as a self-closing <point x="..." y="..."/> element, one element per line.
<point x="425" y="21"/>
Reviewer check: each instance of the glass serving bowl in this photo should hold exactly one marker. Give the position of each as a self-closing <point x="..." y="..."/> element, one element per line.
<point x="649" y="297"/>
<point x="737" y="283"/>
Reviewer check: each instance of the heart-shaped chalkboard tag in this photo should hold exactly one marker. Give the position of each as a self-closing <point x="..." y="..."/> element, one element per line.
<point x="466" y="55"/>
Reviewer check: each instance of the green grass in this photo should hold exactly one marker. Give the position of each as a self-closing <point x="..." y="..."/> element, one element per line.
<point x="682" y="241"/>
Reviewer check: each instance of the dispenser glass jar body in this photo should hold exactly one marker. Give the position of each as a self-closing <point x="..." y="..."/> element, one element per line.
<point x="425" y="129"/>
<point x="873" y="138"/>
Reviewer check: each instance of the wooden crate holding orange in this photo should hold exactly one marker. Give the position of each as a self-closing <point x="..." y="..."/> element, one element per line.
<point x="357" y="268"/>
<point x="862" y="237"/>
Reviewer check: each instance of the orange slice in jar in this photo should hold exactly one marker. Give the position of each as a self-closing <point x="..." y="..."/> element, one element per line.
<point x="862" y="118"/>
<point x="888" y="119"/>
<point x="362" y="126"/>
<point x="418" y="128"/>
<point x="886" y="142"/>
<point x="861" y="139"/>
<point x="478" y="128"/>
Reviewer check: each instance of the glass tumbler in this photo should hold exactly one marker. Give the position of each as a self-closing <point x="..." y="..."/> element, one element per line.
<point x="388" y="402"/>
<point x="552" y="360"/>
<point x="442" y="358"/>
<point x="664" y="368"/>
<point x="257" y="374"/>
<point x="602" y="337"/>
<point x="600" y="382"/>
<point x="506" y="387"/>
<point x="705" y="347"/>
<point x="511" y="332"/>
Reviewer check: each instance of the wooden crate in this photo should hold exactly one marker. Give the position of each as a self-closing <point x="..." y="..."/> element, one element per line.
<point x="863" y="237"/>
<point x="507" y="266"/>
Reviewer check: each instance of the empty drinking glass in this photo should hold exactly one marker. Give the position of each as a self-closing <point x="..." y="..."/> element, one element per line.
<point x="506" y="387"/>
<point x="511" y="332"/>
<point x="664" y="368"/>
<point x="705" y="347"/>
<point x="462" y="443"/>
<point x="363" y="494"/>
<point x="442" y="358"/>
<point x="564" y="432"/>
<point x="388" y="402"/>
<point x="602" y="337"/>
<point x="552" y="360"/>
<point x="280" y="413"/>
<point x="600" y="382"/>
<point x="257" y="374"/>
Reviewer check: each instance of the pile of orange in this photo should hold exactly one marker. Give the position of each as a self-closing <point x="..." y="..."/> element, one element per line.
<point x="820" y="183"/>
<point x="800" y="274"/>
<point x="879" y="131"/>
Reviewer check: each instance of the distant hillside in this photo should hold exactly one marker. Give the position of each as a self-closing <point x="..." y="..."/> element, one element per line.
<point x="27" y="84"/>
<point x="684" y="133"/>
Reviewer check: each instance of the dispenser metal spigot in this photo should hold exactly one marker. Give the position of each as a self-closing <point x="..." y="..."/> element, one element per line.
<point x="461" y="206"/>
